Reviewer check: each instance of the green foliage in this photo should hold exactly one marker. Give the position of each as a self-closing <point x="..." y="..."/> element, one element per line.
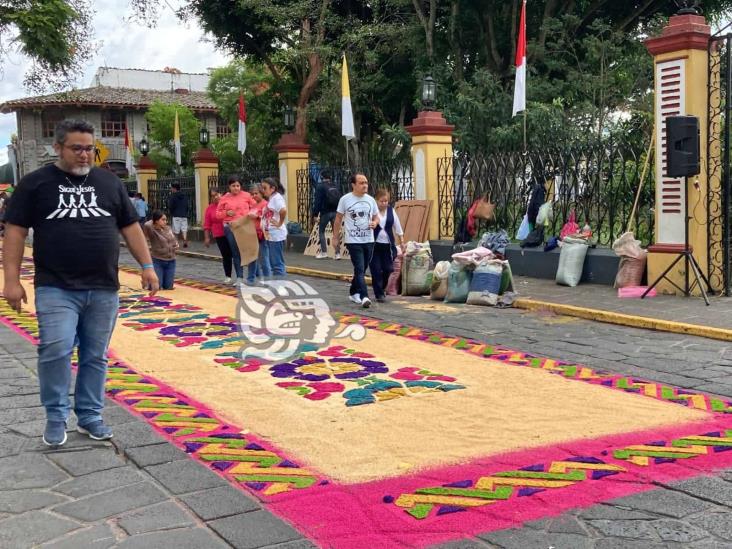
<point x="161" y="119"/>
<point x="264" y="107"/>
<point x="54" y="34"/>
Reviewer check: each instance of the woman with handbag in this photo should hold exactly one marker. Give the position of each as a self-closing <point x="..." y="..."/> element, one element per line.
<point x="387" y="236"/>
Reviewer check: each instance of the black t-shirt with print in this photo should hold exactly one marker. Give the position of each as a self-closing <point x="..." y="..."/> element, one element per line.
<point x="76" y="222"/>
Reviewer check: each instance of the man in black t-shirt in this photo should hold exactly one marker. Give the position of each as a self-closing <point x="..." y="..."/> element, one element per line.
<point x="178" y="209"/>
<point x="77" y="213"/>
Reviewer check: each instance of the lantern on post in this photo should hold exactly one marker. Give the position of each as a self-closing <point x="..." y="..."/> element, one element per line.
<point x="429" y="93"/>
<point x="288" y="115"/>
<point x="203" y="136"/>
<point x="144" y="146"/>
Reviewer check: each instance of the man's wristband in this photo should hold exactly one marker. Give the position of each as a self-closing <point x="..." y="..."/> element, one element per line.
<point x="147" y="266"/>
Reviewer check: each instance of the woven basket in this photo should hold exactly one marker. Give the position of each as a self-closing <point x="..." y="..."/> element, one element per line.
<point x="630" y="271"/>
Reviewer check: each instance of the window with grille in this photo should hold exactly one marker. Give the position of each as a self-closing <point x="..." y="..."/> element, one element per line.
<point x="49" y="120"/>
<point x="222" y="128"/>
<point x="113" y="124"/>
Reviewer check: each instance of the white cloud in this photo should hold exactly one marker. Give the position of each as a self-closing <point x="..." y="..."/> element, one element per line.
<point x="123" y="44"/>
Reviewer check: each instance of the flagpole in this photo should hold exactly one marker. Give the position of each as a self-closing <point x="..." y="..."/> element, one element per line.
<point x="525" y="148"/>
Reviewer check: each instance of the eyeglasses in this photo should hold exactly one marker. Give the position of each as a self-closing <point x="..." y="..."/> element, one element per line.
<point x="78" y="149"/>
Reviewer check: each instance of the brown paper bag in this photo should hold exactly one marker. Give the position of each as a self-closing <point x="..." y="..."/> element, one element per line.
<point x="245" y="233"/>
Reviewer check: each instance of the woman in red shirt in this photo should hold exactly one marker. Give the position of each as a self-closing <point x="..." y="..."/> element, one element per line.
<point x="214" y="228"/>
<point x="233" y="205"/>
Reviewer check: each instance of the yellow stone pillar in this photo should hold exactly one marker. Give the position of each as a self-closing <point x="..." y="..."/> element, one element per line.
<point x="293" y="155"/>
<point x="205" y="165"/>
<point x="431" y="140"/>
<point x="681" y="66"/>
<point x="146" y="170"/>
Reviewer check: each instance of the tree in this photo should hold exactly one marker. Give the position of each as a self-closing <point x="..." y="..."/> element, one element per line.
<point x="54" y="34"/>
<point x="161" y="119"/>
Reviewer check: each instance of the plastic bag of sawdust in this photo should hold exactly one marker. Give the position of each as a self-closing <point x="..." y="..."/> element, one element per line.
<point x="395" y="278"/>
<point x="486" y="283"/>
<point x="571" y="261"/>
<point x="630" y="270"/>
<point x="458" y="283"/>
<point x="415" y="268"/>
<point x="438" y="288"/>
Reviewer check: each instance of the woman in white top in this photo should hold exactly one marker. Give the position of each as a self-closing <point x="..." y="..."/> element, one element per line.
<point x="274" y="219"/>
<point x="387" y="236"/>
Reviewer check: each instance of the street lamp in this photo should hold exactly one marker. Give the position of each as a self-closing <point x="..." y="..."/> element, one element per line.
<point x="688" y="7"/>
<point x="288" y="115"/>
<point x="203" y="136"/>
<point x="429" y="93"/>
<point x="144" y="147"/>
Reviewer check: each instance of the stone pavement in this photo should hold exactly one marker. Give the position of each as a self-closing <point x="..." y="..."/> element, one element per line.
<point x="130" y="493"/>
<point x="139" y="491"/>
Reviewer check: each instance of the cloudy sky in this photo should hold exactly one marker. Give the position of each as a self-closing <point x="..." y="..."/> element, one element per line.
<point x="121" y="44"/>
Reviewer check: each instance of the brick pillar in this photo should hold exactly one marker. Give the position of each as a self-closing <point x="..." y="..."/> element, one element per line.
<point x="681" y="65"/>
<point x="293" y="155"/>
<point x="205" y="164"/>
<point x="431" y="140"/>
<point x="146" y="170"/>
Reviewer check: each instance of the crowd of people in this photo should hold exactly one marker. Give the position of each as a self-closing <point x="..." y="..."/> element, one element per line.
<point x="77" y="213"/>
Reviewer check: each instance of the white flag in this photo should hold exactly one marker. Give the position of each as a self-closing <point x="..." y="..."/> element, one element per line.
<point x="242" y="143"/>
<point x="519" y="93"/>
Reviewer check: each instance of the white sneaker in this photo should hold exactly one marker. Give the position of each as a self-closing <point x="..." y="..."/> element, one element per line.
<point x="337" y="255"/>
<point x="321" y="255"/>
<point x="356" y="298"/>
<point x="365" y="303"/>
<point x="234" y="281"/>
<point x="227" y="280"/>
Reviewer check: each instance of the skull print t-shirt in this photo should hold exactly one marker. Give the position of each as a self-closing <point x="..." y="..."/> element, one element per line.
<point x="76" y="222"/>
<point x="357" y="213"/>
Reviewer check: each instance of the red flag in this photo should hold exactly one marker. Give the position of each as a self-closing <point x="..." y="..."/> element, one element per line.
<point x="242" y="144"/>
<point x="519" y="92"/>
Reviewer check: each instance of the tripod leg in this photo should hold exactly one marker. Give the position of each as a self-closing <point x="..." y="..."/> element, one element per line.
<point x="699" y="276"/>
<point x="663" y="275"/>
<point x="703" y="276"/>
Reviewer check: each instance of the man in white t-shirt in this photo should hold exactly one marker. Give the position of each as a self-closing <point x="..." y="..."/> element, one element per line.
<point x="359" y="214"/>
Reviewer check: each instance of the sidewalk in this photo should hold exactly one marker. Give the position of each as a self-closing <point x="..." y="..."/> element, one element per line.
<point x="590" y="301"/>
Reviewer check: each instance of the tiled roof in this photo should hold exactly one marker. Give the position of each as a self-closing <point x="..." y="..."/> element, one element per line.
<point x="104" y="96"/>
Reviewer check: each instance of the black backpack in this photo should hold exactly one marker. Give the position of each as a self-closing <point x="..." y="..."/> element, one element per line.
<point x="332" y="197"/>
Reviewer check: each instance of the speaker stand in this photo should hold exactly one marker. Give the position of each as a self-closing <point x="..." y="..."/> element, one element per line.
<point x="687" y="254"/>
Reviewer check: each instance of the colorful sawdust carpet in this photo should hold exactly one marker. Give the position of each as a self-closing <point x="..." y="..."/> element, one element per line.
<point x="413" y="498"/>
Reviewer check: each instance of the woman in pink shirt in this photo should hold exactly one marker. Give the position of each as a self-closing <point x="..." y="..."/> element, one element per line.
<point x="233" y="205"/>
<point x="213" y="228"/>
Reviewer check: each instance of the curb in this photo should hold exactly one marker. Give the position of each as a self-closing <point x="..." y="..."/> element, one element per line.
<point x="598" y="315"/>
<point x="621" y="319"/>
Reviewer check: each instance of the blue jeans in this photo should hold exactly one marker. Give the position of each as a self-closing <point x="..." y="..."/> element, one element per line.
<point x="64" y="316"/>
<point x="325" y="218"/>
<point x="264" y="263"/>
<point x="360" y="257"/>
<point x="276" y="250"/>
<point x="235" y="255"/>
<point x="165" y="270"/>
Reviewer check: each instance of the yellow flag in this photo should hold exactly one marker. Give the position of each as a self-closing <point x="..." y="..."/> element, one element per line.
<point x="176" y="140"/>
<point x="347" y="127"/>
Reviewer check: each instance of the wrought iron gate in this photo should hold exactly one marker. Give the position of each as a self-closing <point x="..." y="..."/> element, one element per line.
<point x="719" y="87"/>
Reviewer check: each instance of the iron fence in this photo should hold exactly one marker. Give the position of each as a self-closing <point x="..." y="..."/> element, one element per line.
<point x="719" y="87"/>
<point x="597" y="181"/>
<point x="396" y="177"/>
<point x="130" y="185"/>
<point x="158" y="192"/>
<point x="247" y="176"/>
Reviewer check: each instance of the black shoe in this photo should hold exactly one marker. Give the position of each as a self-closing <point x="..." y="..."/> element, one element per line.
<point x="381" y="299"/>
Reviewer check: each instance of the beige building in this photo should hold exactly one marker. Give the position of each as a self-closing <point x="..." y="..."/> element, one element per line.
<point x="117" y="100"/>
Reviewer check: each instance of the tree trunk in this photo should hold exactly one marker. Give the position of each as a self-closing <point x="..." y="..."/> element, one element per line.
<point x="306" y="92"/>
<point x="455" y="41"/>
